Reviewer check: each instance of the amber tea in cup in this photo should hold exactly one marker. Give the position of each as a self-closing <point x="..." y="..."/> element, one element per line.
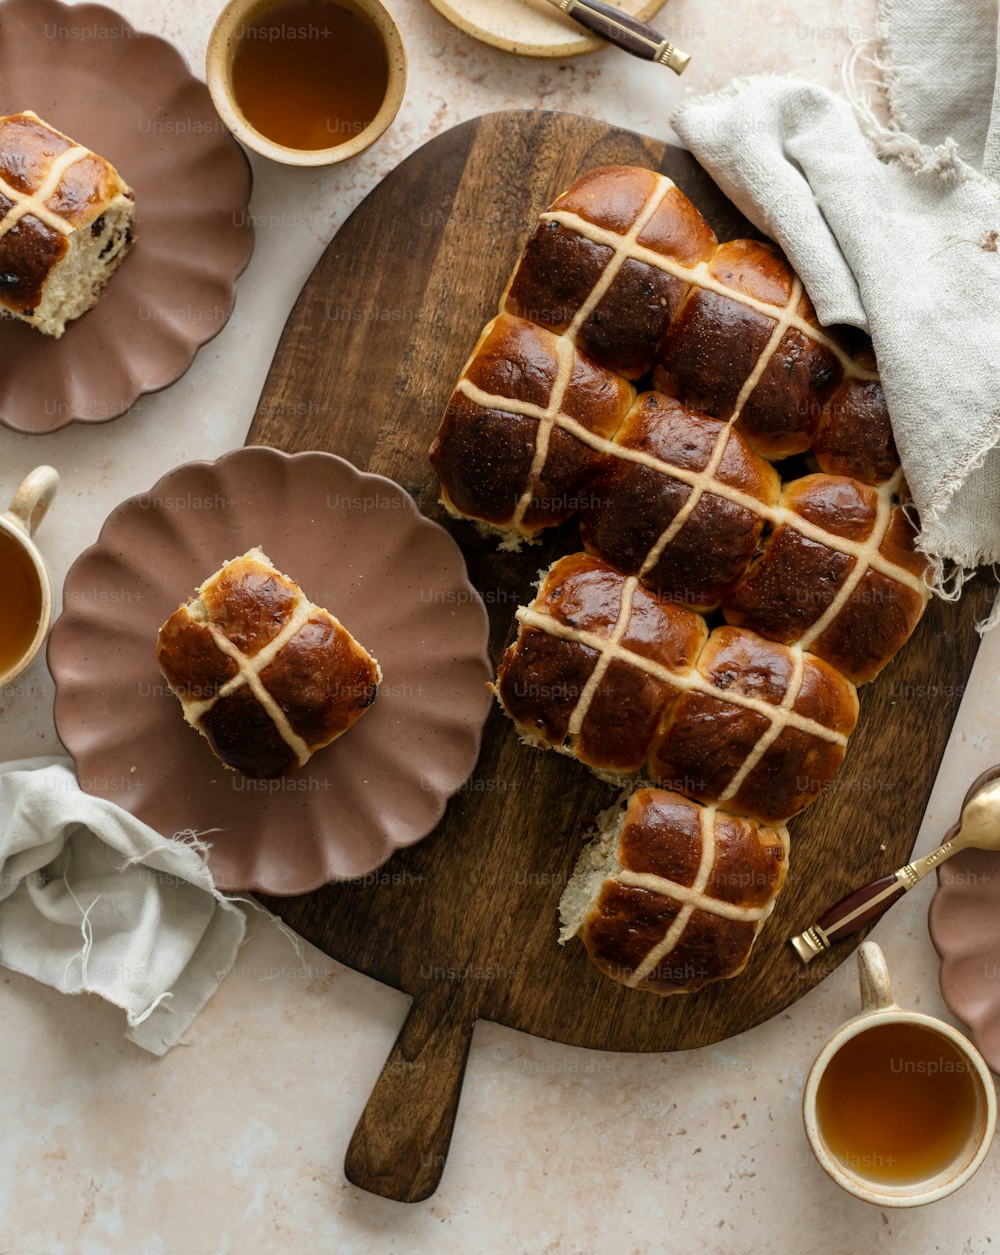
<point x="899" y="1108"/>
<point x="310" y="74"/>
<point x="25" y="591"/>
<point x="896" y="1103"/>
<point x="306" y="82"/>
<point x="21" y="602"/>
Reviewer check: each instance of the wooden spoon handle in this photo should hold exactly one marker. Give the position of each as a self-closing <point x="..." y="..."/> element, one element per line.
<point x="856" y="911"/>
<point x="401" y="1142"/>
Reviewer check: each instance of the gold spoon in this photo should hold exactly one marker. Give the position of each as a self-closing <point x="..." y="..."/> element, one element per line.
<point x="978" y="828"/>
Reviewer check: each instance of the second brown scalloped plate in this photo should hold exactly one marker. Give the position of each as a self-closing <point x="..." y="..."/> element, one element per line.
<point x="964" y="921"/>
<point x="130" y="97"/>
<point x="356" y="544"/>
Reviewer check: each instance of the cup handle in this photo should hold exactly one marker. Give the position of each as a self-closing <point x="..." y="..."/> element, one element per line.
<point x="873" y="976"/>
<point x="33" y="498"/>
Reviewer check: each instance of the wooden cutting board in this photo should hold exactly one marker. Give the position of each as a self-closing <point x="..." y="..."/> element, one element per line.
<point x="466" y="921"/>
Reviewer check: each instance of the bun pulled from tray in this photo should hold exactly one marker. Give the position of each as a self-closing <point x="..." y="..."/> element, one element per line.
<point x="671" y="896"/>
<point x="66" y="224"/>
<point x="264" y="675"/>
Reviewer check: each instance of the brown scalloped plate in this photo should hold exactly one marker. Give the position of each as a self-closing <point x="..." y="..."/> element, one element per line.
<point x="964" y="922"/>
<point x="357" y="544"/>
<point x="131" y="98"/>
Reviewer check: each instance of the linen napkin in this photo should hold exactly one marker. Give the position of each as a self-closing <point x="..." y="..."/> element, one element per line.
<point x="94" y="901"/>
<point x="894" y="227"/>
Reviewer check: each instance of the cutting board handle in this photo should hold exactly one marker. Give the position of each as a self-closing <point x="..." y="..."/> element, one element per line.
<point x="401" y="1142"/>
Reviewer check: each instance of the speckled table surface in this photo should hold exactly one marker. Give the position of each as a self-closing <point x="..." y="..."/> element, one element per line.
<point x="233" y="1143"/>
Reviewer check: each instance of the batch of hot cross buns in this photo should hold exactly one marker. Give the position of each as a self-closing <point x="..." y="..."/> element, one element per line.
<point x="646" y="379"/>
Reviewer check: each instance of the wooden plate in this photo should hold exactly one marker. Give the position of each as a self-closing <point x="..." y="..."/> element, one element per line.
<point x="532" y="28"/>
<point x="365" y="367"/>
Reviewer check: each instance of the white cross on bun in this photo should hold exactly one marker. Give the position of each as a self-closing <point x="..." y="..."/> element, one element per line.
<point x="66" y="224"/>
<point x="264" y="675"/>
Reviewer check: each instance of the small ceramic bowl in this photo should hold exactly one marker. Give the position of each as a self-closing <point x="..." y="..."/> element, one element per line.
<point x="222" y="45"/>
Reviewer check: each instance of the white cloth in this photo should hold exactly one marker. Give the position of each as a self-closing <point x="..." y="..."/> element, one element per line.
<point x="94" y="901"/>
<point x="894" y="228"/>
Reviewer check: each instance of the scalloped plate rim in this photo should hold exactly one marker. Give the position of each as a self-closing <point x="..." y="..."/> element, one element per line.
<point x="936" y="913"/>
<point x="192" y="347"/>
<point x="254" y="884"/>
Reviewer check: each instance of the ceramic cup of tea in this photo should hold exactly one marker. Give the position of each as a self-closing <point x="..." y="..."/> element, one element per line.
<point x="25" y="589"/>
<point x="900" y="1108"/>
<point x="306" y="82"/>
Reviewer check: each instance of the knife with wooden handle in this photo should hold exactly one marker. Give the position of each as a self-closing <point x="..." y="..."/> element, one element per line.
<point x="627" y="32"/>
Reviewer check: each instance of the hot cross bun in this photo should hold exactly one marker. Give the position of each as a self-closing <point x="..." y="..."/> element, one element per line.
<point x="671" y="895"/>
<point x="816" y="582"/>
<point x="264" y="675"/>
<point x="65" y="223"/>
<point x="625" y="680"/>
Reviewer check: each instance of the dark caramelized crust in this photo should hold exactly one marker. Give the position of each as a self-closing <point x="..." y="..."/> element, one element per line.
<point x="705" y="743"/>
<point x="627" y="271"/>
<point x="322" y="680"/>
<point x="83" y="190"/>
<point x="243" y="734"/>
<point x="28" y="251"/>
<point x="710" y="351"/>
<point x="855" y="435"/>
<point x="750" y="865"/>
<point x="622" y="717"/>
<point x="871" y="627"/>
<point x="716" y="747"/>
<point x="789" y="587"/>
<point x="633" y="504"/>
<point x="783" y="412"/>
<point x="685" y="892"/>
<point x="898" y="545"/>
<point x="485" y="453"/>
<point x="483" y="457"/>
<point x="27" y="150"/>
<point x="606" y="670"/>
<point x="755" y="269"/>
<point x="623" y="926"/>
<point x="192" y="663"/>
<point x="613" y="197"/>
<point x="540" y="681"/>
<point x="249" y="604"/>
<point x="716" y="341"/>
<point x="558" y="270"/>
<point x="267" y="677"/>
<point x="678" y="501"/>
<point x="662" y="835"/>
<point x="51" y="190"/>
<point x="543" y="681"/>
<point x="804" y="589"/>
<point x="561" y="267"/>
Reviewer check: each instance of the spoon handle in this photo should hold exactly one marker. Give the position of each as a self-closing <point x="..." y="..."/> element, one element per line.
<point x="856" y="911"/>
<point x="636" y="37"/>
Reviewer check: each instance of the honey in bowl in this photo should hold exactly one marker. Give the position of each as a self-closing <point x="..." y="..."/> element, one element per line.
<point x="898" y="1104"/>
<point x="20" y="603"/>
<point x="310" y="74"/>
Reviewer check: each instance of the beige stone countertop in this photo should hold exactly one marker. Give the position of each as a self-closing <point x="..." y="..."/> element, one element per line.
<point x="233" y="1144"/>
